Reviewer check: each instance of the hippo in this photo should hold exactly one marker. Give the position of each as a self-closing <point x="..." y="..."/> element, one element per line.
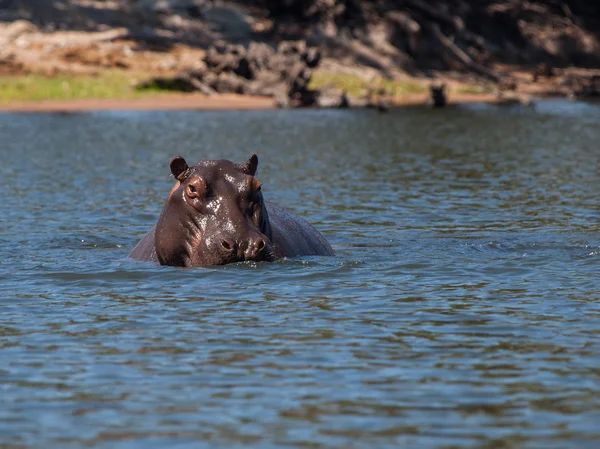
<point x="215" y="214"/>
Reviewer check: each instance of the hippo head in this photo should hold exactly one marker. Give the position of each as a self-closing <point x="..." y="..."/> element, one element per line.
<point x="214" y="215"/>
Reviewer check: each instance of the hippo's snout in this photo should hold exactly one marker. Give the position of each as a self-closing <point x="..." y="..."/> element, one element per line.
<point x="256" y="248"/>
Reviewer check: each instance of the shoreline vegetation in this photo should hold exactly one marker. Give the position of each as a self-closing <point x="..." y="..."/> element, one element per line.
<point x="110" y="90"/>
<point x="119" y="91"/>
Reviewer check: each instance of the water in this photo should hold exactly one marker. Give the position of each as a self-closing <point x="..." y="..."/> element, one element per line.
<point x="461" y="309"/>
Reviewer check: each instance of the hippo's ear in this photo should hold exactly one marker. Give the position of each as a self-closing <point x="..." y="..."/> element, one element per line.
<point x="179" y="167"/>
<point x="250" y="166"/>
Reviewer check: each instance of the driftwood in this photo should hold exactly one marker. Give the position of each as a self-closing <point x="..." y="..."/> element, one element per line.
<point x="200" y="86"/>
<point x="437" y="14"/>
<point x="463" y="57"/>
<point x="405" y="28"/>
<point x="283" y="74"/>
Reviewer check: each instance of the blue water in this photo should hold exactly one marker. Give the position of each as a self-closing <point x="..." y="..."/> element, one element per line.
<point x="461" y="309"/>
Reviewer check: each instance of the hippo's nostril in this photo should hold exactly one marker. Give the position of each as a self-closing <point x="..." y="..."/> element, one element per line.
<point x="228" y="245"/>
<point x="256" y="250"/>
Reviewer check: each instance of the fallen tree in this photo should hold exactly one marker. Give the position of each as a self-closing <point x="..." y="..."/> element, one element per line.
<point x="282" y="73"/>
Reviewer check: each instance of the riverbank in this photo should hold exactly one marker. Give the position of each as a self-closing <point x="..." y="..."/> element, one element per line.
<point x="203" y="102"/>
<point x="117" y="90"/>
<point x="97" y="54"/>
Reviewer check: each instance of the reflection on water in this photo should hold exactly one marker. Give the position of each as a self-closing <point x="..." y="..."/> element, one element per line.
<point x="461" y="309"/>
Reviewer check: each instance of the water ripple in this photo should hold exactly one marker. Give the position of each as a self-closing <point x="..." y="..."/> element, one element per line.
<point x="461" y="308"/>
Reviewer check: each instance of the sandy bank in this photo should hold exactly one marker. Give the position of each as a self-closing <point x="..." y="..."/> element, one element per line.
<point x="201" y="102"/>
<point x="159" y="102"/>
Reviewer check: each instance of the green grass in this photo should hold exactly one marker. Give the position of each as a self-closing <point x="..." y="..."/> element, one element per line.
<point x="116" y="85"/>
<point x="359" y="87"/>
<point x="476" y="89"/>
<point x="68" y="87"/>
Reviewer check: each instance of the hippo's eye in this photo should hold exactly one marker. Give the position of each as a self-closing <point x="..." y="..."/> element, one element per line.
<point x="254" y="205"/>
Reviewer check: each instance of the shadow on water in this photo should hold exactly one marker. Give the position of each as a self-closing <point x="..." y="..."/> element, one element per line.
<point x="461" y="307"/>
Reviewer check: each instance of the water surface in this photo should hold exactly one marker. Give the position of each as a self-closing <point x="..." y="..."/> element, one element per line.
<point x="461" y="309"/>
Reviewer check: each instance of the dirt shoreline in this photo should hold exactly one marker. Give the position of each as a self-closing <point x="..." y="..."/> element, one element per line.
<point x="201" y="102"/>
<point x="158" y="102"/>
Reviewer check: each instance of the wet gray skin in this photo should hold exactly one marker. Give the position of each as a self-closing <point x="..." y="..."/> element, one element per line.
<point x="215" y="214"/>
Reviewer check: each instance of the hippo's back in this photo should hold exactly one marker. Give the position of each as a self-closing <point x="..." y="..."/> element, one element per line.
<point x="294" y="236"/>
<point x="145" y="249"/>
